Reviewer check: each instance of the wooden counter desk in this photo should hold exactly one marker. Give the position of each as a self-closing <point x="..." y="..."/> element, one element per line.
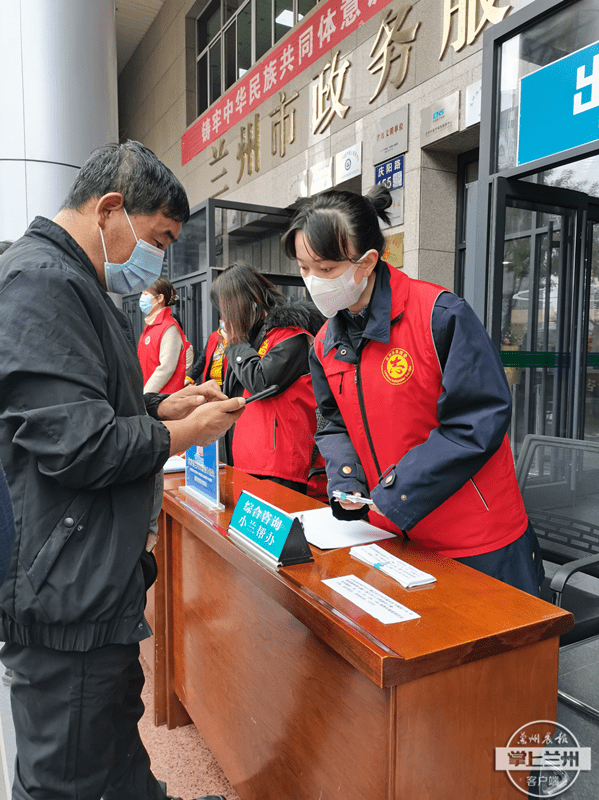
<point x="302" y="696"/>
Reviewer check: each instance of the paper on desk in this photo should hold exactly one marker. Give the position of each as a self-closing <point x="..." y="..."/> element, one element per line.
<point x="401" y="571"/>
<point x="324" y="531"/>
<point x="378" y="605"/>
<point x="174" y="464"/>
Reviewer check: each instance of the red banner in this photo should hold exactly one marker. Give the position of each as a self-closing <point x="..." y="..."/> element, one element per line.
<point x="315" y="37"/>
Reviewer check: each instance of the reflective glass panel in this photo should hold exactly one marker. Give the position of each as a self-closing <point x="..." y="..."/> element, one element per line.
<point x="263" y="27"/>
<point x="545" y="42"/>
<point x="188" y="254"/>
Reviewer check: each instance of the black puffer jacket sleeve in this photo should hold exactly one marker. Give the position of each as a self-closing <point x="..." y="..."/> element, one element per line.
<point x="62" y="397"/>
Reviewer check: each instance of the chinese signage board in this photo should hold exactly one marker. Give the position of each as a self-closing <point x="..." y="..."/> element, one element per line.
<point x="440" y="119"/>
<point x="321" y="176"/>
<point x="559" y="106"/>
<point x="348" y="163"/>
<point x="201" y="475"/>
<point x="473" y="104"/>
<point x="391" y="136"/>
<point x="268" y="530"/>
<point x="321" y="31"/>
<point x="393" y="253"/>
<point x="391" y="175"/>
<point x="298" y="187"/>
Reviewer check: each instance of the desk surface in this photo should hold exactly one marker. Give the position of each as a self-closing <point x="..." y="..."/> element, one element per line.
<point x="465" y="616"/>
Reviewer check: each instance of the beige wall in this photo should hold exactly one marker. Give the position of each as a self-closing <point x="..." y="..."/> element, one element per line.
<point x="152" y="108"/>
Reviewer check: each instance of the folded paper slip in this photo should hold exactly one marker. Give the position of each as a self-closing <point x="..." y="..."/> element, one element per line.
<point x="404" y="573"/>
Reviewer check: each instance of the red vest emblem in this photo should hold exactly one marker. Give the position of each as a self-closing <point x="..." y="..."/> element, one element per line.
<point x="397" y="366"/>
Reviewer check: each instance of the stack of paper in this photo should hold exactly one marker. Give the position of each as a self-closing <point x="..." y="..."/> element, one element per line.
<point x="327" y="533"/>
<point x="401" y="571"/>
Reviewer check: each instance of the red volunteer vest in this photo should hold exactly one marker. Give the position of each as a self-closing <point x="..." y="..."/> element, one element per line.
<point x="401" y="383"/>
<point x="148" y="351"/>
<point x="275" y="436"/>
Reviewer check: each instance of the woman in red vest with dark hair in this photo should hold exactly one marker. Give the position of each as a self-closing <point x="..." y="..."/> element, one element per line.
<point x="163" y="349"/>
<point x="414" y="394"/>
<point x="268" y="342"/>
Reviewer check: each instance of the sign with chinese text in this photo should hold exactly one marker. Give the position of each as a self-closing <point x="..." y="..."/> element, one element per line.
<point x="393" y="253"/>
<point x="348" y="164"/>
<point x="298" y="186"/>
<point x="201" y="475"/>
<point x="559" y="106"/>
<point x="473" y="100"/>
<point x="440" y="119"/>
<point x="321" y="176"/>
<point x="391" y="136"/>
<point x="268" y="530"/>
<point x="333" y="22"/>
<point x="391" y="175"/>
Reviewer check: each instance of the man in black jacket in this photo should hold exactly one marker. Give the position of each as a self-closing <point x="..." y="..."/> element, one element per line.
<point x="81" y="447"/>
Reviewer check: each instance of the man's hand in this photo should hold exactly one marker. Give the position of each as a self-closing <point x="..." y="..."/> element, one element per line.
<point x="182" y="403"/>
<point x="204" y="424"/>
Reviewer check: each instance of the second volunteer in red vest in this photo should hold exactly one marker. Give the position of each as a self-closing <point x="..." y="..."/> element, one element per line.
<point x="163" y="350"/>
<point x="268" y="342"/>
<point x="414" y="394"/>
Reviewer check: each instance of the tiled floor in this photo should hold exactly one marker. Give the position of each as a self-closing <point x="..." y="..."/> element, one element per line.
<point x="579" y="677"/>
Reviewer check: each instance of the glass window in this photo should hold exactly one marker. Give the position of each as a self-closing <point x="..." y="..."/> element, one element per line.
<point x="263" y="27"/>
<point x="188" y="254"/>
<point x="547" y="41"/>
<point x="252" y="28"/>
<point x="244" y="40"/>
<point x="202" y="83"/>
<point x="230" y="55"/>
<point x="215" y="71"/>
<point x="283" y="18"/>
<point x="208" y="25"/>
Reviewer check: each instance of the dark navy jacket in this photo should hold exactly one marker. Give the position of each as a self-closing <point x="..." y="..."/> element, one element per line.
<point x="471" y="425"/>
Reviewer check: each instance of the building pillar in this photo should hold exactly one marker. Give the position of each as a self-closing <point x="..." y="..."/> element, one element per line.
<point x="58" y="101"/>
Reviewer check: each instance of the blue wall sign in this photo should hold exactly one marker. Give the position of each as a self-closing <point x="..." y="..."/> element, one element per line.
<point x="390" y="173"/>
<point x="201" y="474"/>
<point x="559" y="106"/>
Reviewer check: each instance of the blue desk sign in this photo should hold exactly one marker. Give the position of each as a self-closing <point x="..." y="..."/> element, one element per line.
<point x="267" y="533"/>
<point x="201" y="475"/>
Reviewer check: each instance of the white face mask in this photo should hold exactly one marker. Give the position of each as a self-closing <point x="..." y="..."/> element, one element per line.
<point x="331" y="295"/>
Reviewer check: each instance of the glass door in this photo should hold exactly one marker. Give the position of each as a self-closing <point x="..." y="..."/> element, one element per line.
<point x="591" y="326"/>
<point x="545" y="312"/>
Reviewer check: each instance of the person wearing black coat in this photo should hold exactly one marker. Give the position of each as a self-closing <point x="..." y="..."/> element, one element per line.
<point x="81" y="447"/>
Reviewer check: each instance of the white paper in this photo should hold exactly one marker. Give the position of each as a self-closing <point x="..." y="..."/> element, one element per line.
<point x="174" y="464"/>
<point x="401" y="571"/>
<point x="378" y="605"/>
<point x="324" y="531"/>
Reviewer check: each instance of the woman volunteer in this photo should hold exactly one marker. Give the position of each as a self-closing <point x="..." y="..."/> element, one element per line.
<point x="163" y="349"/>
<point x="268" y="341"/>
<point x="414" y="394"/>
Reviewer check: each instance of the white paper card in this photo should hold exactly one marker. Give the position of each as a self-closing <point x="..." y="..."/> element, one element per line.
<point x="378" y="605"/>
<point x="401" y="571"/>
<point x="324" y="531"/>
<point x="174" y="464"/>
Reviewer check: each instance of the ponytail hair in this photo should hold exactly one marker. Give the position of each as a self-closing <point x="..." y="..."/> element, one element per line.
<point x="166" y="289"/>
<point x="339" y="225"/>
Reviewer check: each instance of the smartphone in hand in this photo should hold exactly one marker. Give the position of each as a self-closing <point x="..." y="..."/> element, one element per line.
<point x="268" y="392"/>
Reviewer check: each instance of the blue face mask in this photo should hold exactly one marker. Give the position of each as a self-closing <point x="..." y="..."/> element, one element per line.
<point x="145" y="303"/>
<point x="141" y="269"/>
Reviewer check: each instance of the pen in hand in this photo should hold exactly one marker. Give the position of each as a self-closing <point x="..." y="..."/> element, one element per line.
<point x="352" y="498"/>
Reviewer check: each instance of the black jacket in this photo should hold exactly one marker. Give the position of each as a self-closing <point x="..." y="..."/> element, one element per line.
<point x="286" y="362"/>
<point x="79" y="450"/>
